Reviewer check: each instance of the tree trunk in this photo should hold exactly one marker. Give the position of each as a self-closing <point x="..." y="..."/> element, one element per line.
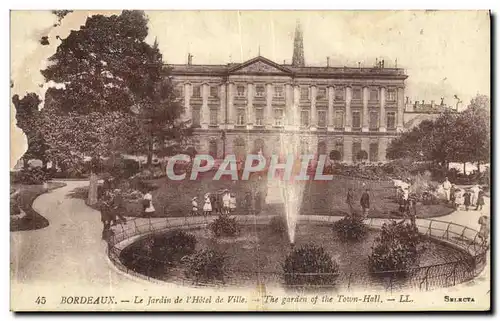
<point x="92" y="197"/>
<point x="465" y="173"/>
<point x="150" y="153"/>
<point x="25" y="163"/>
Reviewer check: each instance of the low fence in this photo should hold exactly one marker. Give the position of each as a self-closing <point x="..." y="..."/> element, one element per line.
<point x="424" y="278"/>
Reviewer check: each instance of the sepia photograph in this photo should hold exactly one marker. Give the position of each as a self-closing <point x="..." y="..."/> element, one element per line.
<point x="250" y="160"/>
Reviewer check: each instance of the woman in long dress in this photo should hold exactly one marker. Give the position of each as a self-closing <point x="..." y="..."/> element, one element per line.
<point x="226" y="200"/>
<point x="232" y="203"/>
<point x="207" y="207"/>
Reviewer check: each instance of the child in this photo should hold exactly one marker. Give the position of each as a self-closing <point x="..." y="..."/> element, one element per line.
<point x="467" y="198"/>
<point x="207" y="207"/>
<point x="232" y="203"/>
<point x="194" y="204"/>
<point x="226" y="200"/>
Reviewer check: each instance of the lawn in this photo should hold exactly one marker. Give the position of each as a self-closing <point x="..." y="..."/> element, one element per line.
<point x="32" y="220"/>
<point x="173" y="198"/>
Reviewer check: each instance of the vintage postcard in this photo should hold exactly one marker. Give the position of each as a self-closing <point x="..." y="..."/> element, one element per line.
<point x="250" y="161"/>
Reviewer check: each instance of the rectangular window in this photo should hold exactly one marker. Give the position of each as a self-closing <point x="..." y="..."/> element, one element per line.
<point x="391" y="120"/>
<point x="373" y="120"/>
<point x="304" y="92"/>
<point x="356" y="119"/>
<point x="214" y="91"/>
<point x="240" y="91"/>
<point x="357" y="94"/>
<point x="373" y="152"/>
<point x="213" y="117"/>
<point x="391" y="95"/>
<point x="196" y="117"/>
<point x="259" y="116"/>
<point x="240" y="116"/>
<point x="339" y="94"/>
<point x="278" y="91"/>
<point x="321" y="118"/>
<point x="339" y="119"/>
<point x="278" y="117"/>
<point x="374" y="94"/>
<point x="197" y="91"/>
<point x="304" y="118"/>
<point x="260" y="91"/>
<point x="321" y="94"/>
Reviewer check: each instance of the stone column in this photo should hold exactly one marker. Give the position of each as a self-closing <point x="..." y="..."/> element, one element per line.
<point x="250" y="113"/>
<point x="188" y="112"/>
<point x="366" y="117"/>
<point x="401" y="109"/>
<point x="223" y="104"/>
<point x="205" y="112"/>
<point x="231" y="113"/>
<point x="348" y="115"/>
<point x="314" y="116"/>
<point x="382" y="148"/>
<point x="268" y="114"/>
<point x="383" y="126"/>
<point x="347" y="154"/>
<point x="331" y="115"/>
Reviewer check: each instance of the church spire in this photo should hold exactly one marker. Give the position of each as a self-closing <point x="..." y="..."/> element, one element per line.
<point x="298" y="47"/>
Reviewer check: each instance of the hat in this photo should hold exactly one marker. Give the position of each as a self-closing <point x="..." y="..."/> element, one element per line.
<point x="195" y="198"/>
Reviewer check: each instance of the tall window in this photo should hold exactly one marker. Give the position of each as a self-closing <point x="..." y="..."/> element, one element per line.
<point x="339" y="119"/>
<point x="321" y="94"/>
<point x="278" y="117"/>
<point x="357" y="93"/>
<point x="391" y="95"/>
<point x="321" y="118"/>
<point x="356" y="147"/>
<point x="356" y="119"/>
<point x="213" y="117"/>
<point x="259" y="91"/>
<point x="240" y="91"/>
<point x="373" y="94"/>
<point x="373" y="152"/>
<point x="196" y="117"/>
<point x="214" y="91"/>
<point x="304" y="92"/>
<point x="212" y="149"/>
<point x="373" y="120"/>
<point x="240" y="116"/>
<point x="304" y="118"/>
<point x="278" y="91"/>
<point x="339" y="94"/>
<point x="391" y="120"/>
<point x="259" y="116"/>
<point x="196" y="91"/>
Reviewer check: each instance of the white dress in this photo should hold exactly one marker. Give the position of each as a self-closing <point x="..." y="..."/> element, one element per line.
<point x="151" y="208"/>
<point x="226" y="199"/>
<point x="207" y="207"/>
<point x="232" y="203"/>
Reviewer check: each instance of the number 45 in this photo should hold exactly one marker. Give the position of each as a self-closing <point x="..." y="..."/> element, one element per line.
<point x="40" y="300"/>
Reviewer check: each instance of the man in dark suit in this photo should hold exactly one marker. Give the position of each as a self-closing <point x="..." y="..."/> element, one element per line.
<point x="365" y="203"/>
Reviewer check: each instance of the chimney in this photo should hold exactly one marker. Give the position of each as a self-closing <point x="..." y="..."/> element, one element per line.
<point x="190" y="59"/>
<point x="383" y="63"/>
<point x="328" y="61"/>
<point x="407" y="100"/>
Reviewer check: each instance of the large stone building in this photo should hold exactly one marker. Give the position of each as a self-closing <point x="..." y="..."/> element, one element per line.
<point x="260" y="105"/>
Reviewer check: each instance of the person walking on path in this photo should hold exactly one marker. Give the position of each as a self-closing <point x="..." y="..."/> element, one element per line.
<point x="147" y="200"/>
<point x="106" y="215"/>
<point x="467" y="197"/>
<point x="480" y="201"/>
<point x="194" y="206"/>
<point x="226" y="202"/>
<point x="207" y="206"/>
<point x="350" y="201"/>
<point x="214" y="203"/>
<point x="447" y="188"/>
<point x="474" y="194"/>
<point x="365" y="203"/>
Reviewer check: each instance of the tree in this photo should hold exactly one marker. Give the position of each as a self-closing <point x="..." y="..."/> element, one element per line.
<point x="362" y="155"/>
<point x="110" y="76"/>
<point x="335" y="155"/>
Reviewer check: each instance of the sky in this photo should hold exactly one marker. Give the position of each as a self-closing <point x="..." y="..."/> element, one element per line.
<point x="444" y="52"/>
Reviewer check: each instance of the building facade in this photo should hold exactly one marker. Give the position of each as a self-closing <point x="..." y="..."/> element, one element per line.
<point x="260" y="105"/>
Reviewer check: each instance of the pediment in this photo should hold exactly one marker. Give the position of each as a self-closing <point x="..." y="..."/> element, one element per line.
<point x="260" y="65"/>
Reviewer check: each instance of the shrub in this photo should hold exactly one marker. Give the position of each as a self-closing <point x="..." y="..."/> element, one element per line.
<point x="30" y="176"/>
<point x="205" y="266"/>
<point x="121" y="168"/>
<point x="302" y="263"/>
<point x="173" y="246"/>
<point x="395" y="249"/>
<point x="362" y="155"/>
<point x="278" y="224"/>
<point x="350" y="228"/>
<point x="225" y="226"/>
<point x="335" y="155"/>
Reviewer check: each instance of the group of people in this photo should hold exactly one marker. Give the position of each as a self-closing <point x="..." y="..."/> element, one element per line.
<point x="466" y="197"/>
<point x="221" y="202"/>
<point x="112" y="209"/>
<point x="364" y="202"/>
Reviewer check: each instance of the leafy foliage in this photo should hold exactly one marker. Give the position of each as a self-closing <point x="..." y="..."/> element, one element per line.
<point x="335" y="155"/>
<point x="310" y="265"/>
<point x="350" y="228"/>
<point x="395" y="249"/>
<point x="173" y="246"/>
<point x="225" y="226"/>
<point x="30" y="176"/>
<point x="362" y="155"/>
<point x="205" y="266"/>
